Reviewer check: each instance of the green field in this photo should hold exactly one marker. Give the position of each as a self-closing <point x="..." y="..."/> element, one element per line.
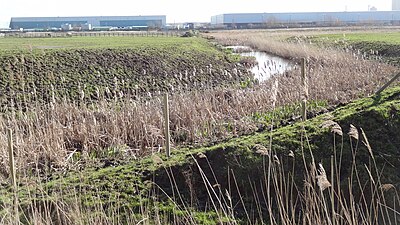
<point x="27" y="44"/>
<point x="390" y="38"/>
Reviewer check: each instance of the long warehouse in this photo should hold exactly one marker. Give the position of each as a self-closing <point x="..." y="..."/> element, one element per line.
<point x="243" y="20"/>
<point x="94" y="21"/>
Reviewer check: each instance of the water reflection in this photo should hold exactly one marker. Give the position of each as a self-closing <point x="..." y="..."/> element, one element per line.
<point x="268" y="64"/>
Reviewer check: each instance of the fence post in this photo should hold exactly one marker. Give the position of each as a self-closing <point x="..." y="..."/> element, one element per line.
<point x="166" y="119"/>
<point x="387" y="84"/>
<point x="304" y="91"/>
<point x="13" y="174"/>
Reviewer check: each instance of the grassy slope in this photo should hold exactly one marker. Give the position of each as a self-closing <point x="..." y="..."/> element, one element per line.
<point x="385" y="44"/>
<point x="387" y="37"/>
<point x="127" y="186"/>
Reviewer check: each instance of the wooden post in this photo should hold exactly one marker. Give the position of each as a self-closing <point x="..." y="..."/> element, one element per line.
<point x="13" y="174"/>
<point x="166" y="119"/>
<point x="333" y="191"/>
<point x="387" y="84"/>
<point x="304" y="91"/>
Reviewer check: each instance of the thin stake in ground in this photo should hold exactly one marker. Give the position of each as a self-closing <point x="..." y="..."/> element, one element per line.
<point x="397" y="76"/>
<point x="13" y="174"/>
<point x="305" y="90"/>
<point x="166" y="119"/>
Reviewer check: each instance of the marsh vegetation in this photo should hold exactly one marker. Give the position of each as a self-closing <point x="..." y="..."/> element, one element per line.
<point x="88" y="133"/>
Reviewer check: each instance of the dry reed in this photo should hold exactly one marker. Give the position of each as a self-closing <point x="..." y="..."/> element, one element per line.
<point x="51" y="136"/>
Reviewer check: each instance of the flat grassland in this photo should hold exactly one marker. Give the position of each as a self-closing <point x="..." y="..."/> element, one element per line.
<point x="28" y="44"/>
<point x="387" y="37"/>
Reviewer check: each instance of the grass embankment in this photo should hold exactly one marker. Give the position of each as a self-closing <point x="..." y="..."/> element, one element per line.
<point x="228" y="180"/>
<point x="89" y="68"/>
<point x="386" y="44"/>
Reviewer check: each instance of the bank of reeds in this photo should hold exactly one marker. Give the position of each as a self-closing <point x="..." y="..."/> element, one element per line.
<point x="59" y="130"/>
<point x="314" y="194"/>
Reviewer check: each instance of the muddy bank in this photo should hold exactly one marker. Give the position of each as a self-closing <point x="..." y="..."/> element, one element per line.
<point x="387" y="52"/>
<point x="89" y="74"/>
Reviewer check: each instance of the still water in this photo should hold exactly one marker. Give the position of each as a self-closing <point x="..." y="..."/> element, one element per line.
<point x="267" y="64"/>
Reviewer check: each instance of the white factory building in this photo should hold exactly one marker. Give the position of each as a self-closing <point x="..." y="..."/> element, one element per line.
<point x="158" y="21"/>
<point x="395" y="4"/>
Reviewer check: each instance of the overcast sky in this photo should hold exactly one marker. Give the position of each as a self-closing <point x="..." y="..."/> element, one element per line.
<point x="176" y="10"/>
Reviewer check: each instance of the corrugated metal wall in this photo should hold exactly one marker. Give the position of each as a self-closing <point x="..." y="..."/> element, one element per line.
<point x="121" y="21"/>
<point x="307" y="17"/>
<point x="396" y="5"/>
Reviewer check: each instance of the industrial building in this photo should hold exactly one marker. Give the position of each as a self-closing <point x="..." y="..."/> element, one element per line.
<point x="395" y="4"/>
<point x="87" y="22"/>
<point x="249" y="20"/>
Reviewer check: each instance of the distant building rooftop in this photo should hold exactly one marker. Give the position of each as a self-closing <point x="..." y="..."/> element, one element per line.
<point x="96" y="21"/>
<point x="307" y="18"/>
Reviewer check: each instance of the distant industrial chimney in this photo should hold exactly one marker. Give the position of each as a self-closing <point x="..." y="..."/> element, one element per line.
<point x="395" y="4"/>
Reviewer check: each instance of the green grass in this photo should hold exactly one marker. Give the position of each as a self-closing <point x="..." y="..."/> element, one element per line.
<point x="27" y="44"/>
<point x="390" y="38"/>
<point x="288" y="113"/>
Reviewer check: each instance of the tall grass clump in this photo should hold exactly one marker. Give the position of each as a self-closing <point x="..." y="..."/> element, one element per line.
<point x="336" y="76"/>
<point x="295" y="188"/>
